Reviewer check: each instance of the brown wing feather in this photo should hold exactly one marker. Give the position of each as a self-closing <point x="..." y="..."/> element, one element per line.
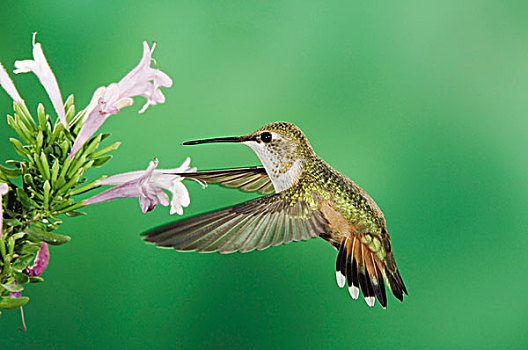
<point x="256" y="224"/>
<point x="249" y="179"/>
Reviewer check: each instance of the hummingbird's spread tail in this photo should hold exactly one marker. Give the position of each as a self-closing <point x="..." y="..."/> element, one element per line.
<point x="358" y="265"/>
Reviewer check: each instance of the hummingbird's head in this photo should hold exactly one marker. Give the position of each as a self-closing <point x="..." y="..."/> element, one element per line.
<point x="281" y="147"/>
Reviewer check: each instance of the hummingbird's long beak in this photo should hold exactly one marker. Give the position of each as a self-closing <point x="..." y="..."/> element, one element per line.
<point x="220" y="139"/>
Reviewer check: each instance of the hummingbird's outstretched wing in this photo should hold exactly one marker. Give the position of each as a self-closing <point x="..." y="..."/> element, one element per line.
<point x="249" y="179"/>
<point x="256" y="224"/>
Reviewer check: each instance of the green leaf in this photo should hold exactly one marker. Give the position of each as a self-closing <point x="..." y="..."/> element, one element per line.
<point x="19" y="148"/>
<point x="66" y="165"/>
<point x="36" y="159"/>
<point x="13" y="288"/>
<point x="57" y="130"/>
<point x="10" y="245"/>
<point x="40" y="140"/>
<point x="20" y="277"/>
<point x="23" y="112"/>
<point x="12" y="222"/>
<point x="23" y="261"/>
<point x="98" y="162"/>
<point x="54" y="171"/>
<point x="45" y="166"/>
<point x="12" y="123"/>
<point x="105" y="150"/>
<point x="3" y="250"/>
<point x="18" y="235"/>
<point x="3" y="177"/>
<point x="73" y="214"/>
<point x="74" y="124"/>
<point x="43" y="125"/>
<point x="36" y="279"/>
<point x="70" y="112"/>
<point x="13" y="303"/>
<point x="69" y="102"/>
<point x="68" y="209"/>
<point x="13" y="163"/>
<point x="48" y="237"/>
<point x="9" y="172"/>
<point x="85" y="188"/>
<point x="22" y="130"/>
<point x="87" y="166"/>
<point x="47" y="189"/>
<point x="36" y="193"/>
<point x="23" y="198"/>
<point x="28" y="180"/>
<point x="77" y="163"/>
<point x="73" y="181"/>
<point x="92" y="145"/>
<point x="29" y="248"/>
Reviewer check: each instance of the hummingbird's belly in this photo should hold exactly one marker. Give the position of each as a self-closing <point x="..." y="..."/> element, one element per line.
<point x="338" y="226"/>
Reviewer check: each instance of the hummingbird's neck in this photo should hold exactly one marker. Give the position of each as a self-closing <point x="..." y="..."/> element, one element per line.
<point x="287" y="176"/>
<point x="284" y="172"/>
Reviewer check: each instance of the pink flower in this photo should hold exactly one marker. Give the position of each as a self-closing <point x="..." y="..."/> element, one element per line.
<point x="141" y="81"/>
<point x="39" y="65"/>
<point x="39" y="265"/>
<point x="148" y="185"/>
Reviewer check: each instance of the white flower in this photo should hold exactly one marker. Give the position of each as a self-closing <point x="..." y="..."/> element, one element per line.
<point x="3" y="188"/>
<point x="140" y="81"/>
<point x="39" y="65"/>
<point x="147" y="185"/>
<point x="8" y="85"/>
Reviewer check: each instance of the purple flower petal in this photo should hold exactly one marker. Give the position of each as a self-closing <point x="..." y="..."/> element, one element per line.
<point x="40" y="263"/>
<point x="14" y="294"/>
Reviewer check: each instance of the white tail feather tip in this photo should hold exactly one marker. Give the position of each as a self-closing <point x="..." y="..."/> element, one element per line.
<point x="340" y="279"/>
<point x="354" y="292"/>
<point x="370" y="301"/>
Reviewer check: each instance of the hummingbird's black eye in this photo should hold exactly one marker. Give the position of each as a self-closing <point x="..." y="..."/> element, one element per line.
<point x="265" y="137"/>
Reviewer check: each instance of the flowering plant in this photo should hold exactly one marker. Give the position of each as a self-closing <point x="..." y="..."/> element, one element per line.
<point x="55" y="156"/>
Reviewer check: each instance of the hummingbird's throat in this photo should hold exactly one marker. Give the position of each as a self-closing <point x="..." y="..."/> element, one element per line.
<point x="283" y="171"/>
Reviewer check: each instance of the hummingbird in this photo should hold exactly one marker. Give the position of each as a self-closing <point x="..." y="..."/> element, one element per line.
<point x="304" y="198"/>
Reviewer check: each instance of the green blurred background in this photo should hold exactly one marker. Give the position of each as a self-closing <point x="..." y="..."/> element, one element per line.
<point x="422" y="103"/>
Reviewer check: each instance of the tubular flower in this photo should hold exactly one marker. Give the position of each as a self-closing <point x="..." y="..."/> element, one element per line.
<point x="39" y="65"/>
<point x="8" y="85"/>
<point x="39" y="265"/>
<point x="140" y="81"/>
<point x="147" y="185"/>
